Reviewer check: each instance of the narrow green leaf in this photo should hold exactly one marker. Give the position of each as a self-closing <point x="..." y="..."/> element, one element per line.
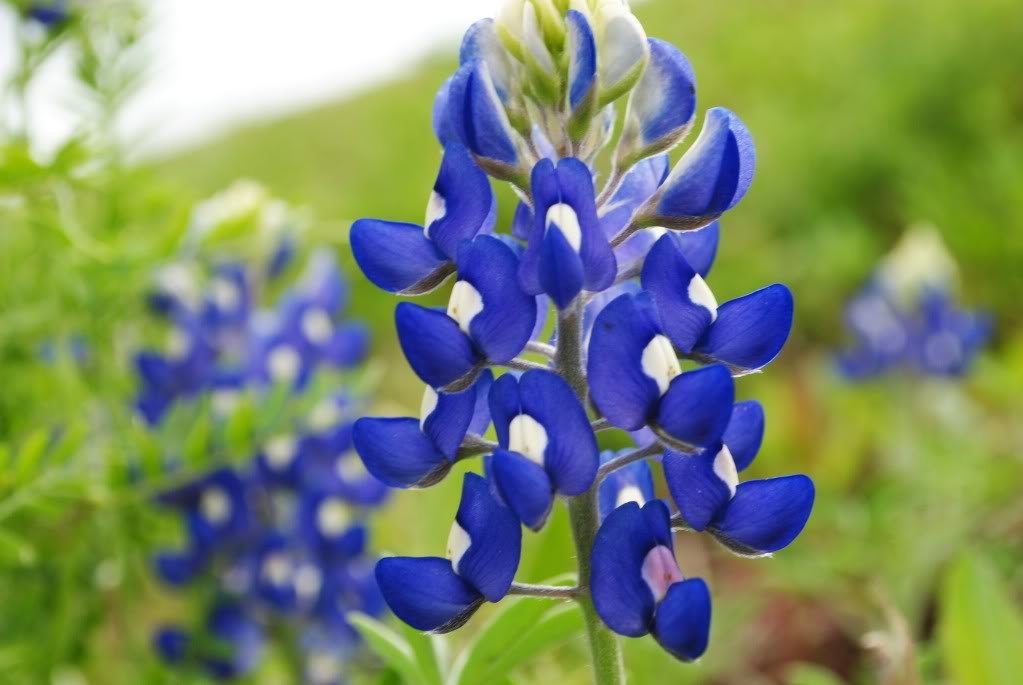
<point x="26" y="463"/>
<point x="391" y="647"/>
<point x="558" y="624"/>
<point x="981" y="628"/>
<point x="514" y="618"/>
<point x="428" y="656"/>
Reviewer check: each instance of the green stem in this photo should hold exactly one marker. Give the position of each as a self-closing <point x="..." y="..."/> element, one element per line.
<point x="605" y="651"/>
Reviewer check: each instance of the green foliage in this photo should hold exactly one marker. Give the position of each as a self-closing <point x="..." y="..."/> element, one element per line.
<point x="981" y="625"/>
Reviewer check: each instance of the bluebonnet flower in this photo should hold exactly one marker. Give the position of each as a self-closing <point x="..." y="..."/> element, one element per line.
<point x="534" y="102"/>
<point x="279" y="539"/>
<point x="221" y="343"/>
<point x="441" y="594"/>
<point x="905" y="318"/>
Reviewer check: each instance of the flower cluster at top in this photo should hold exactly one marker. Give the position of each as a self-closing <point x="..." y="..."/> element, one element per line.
<point x="639" y="341"/>
<point x="905" y="317"/>
<point x="275" y="545"/>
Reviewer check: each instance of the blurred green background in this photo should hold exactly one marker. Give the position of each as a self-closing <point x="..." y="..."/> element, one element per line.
<point x="868" y="117"/>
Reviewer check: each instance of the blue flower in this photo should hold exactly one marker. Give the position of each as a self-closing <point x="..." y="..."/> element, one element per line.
<point x="408" y="452"/>
<point x="486" y="321"/>
<point x="745" y="333"/>
<point x="638" y="587"/>
<point x="636" y="379"/>
<point x="661" y="106"/>
<point x="180" y="374"/>
<point x="929" y="335"/>
<point x="232" y="646"/>
<point x="632" y="483"/>
<point x="409" y="259"/>
<point x="440" y="595"/>
<point x="477" y="117"/>
<point x="567" y="250"/>
<point x="49" y="14"/>
<point x="547" y="445"/>
<point x="753" y="518"/>
<point x="711" y="178"/>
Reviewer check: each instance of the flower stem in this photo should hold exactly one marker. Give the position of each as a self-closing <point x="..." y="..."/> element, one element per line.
<point x="543" y="591"/>
<point x="605" y="651"/>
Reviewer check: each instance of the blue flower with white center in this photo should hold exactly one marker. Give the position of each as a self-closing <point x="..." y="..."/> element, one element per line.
<point x="636" y="379"/>
<point x="217" y="511"/>
<point x="486" y="321"/>
<point x="547" y="444"/>
<point x="753" y="518"/>
<point x="638" y="587"/>
<point x="711" y="178"/>
<point x="409" y="259"/>
<point x="632" y="483"/>
<point x="746" y="333"/>
<point x="661" y="106"/>
<point x="567" y="250"/>
<point x="180" y="373"/>
<point x="228" y="301"/>
<point x="408" y="452"/>
<point x="440" y="595"/>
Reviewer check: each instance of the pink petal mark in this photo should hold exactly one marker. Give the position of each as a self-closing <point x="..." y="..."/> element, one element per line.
<point x="660" y="571"/>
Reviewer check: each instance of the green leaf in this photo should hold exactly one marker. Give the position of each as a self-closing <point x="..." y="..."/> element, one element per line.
<point x="26" y="463"/>
<point x="557" y="625"/>
<point x="511" y="624"/>
<point x="426" y="648"/>
<point x="391" y="647"/>
<point x="981" y="628"/>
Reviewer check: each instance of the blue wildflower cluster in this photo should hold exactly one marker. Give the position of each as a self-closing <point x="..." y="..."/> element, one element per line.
<point x="905" y="318"/>
<point x="639" y="342"/>
<point x="276" y="545"/>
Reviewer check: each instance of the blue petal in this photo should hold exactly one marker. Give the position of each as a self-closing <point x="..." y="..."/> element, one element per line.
<point x="765" y="515"/>
<point x="697" y="406"/>
<point x="172" y="644"/>
<point x="750" y="330"/>
<point x="449" y="421"/>
<point x="639" y="184"/>
<point x="700" y="246"/>
<point x="322" y="285"/>
<point x="524" y="486"/>
<point x="229" y="623"/>
<point x="560" y="269"/>
<point x="522" y="222"/>
<point x="670" y="279"/>
<point x="575" y="188"/>
<point x="426" y="593"/>
<point x="582" y="51"/>
<point x="434" y="345"/>
<point x="478" y="116"/>
<point x="620" y="595"/>
<point x="571" y="457"/>
<point x="619" y="388"/>
<point x="396" y="257"/>
<point x="179" y="568"/>
<point x="662" y="104"/>
<point x="397" y="452"/>
<point x="481" y="411"/>
<point x="682" y="624"/>
<point x="697" y="490"/>
<point x="443" y="127"/>
<point x="481" y="44"/>
<point x="745" y="433"/>
<point x="490" y="562"/>
<point x="711" y="177"/>
<point x="467" y="200"/>
<point x="636" y="475"/>
<point x="349" y="345"/>
<point x="502" y="328"/>
<point x="505" y="404"/>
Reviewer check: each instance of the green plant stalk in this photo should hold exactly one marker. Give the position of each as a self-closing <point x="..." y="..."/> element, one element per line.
<point x="605" y="650"/>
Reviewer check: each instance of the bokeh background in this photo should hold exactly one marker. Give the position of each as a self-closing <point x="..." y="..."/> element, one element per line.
<point x="868" y="117"/>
